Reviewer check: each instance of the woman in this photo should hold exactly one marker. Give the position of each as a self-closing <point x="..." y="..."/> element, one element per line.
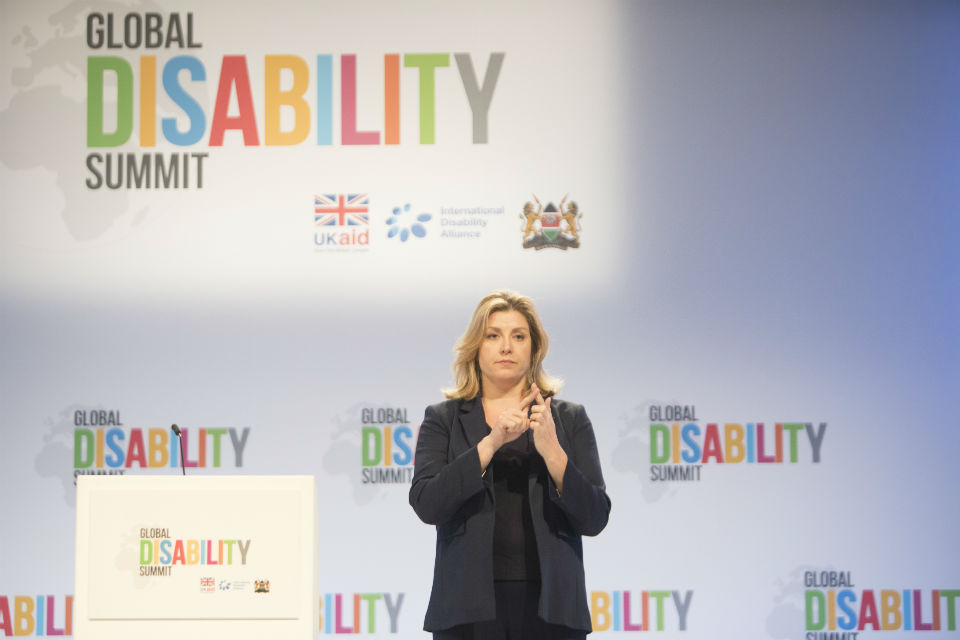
<point x="511" y="478"/>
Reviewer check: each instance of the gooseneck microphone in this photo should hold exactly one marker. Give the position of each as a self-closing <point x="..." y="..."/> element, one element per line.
<point x="176" y="430"/>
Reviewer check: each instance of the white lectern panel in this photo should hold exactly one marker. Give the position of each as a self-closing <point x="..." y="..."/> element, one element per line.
<point x="180" y="553"/>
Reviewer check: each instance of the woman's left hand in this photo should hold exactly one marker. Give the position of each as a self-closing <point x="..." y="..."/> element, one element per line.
<point x="542" y="425"/>
<point x="545" y="438"/>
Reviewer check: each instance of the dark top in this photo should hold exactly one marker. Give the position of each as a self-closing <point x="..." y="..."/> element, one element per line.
<point x="514" y="543"/>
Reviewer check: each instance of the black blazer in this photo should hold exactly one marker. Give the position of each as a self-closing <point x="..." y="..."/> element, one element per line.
<point x="449" y="492"/>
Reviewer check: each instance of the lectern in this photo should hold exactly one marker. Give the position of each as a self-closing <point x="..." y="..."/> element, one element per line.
<point x="212" y="557"/>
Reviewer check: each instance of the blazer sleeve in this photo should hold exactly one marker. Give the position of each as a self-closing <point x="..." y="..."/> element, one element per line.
<point x="584" y="499"/>
<point x="443" y="480"/>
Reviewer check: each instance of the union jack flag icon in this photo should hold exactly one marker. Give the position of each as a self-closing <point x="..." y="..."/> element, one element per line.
<point x="331" y="210"/>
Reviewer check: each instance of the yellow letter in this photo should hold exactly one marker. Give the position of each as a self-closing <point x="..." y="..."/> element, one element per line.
<point x="277" y="98"/>
<point x="157" y="445"/>
<point x="600" y="609"/>
<point x="733" y="442"/>
<point x="890" y="618"/>
<point x="23" y="623"/>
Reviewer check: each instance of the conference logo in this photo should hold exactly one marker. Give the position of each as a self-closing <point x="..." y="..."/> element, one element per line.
<point x="346" y="613"/>
<point x="370" y="446"/>
<point x="103" y="445"/>
<point x="298" y="96"/>
<point x="341" y="222"/>
<point x="93" y="440"/>
<point x="551" y="227"/>
<point x="403" y="226"/>
<point x="682" y="448"/>
<point x="830" y="604"/>
<point x="340" y="613"/>
<point x="160" y="553"/>
<point x="387" y="445"/>
<point x="660" y="610"/>
<point x="44" y="615"/>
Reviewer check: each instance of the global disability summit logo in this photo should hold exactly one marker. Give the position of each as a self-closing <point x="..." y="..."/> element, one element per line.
<point x="353" y="613"/>
<point x="104" y="445"/>
<point x="370" y="448"/>
<point x="836" y="606"/>
<point x="36" y="615"/>
<point x="160" y="552"/>
<point x="242" y="110"/>
<point x="387" y="443"/>
<point x="640" y="610"/>
<point x="681" y="447"/>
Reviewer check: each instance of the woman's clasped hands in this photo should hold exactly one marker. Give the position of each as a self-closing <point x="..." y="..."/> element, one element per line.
<point x="533" y="413"/>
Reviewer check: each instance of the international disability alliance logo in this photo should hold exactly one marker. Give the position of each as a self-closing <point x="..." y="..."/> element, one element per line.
<point x="403" y="226"/>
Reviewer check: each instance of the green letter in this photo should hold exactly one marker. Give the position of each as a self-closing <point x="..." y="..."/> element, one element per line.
<point x="815" y="623"/>
<point x="371" y="435"/>
<point x="427" y="62"/>
<point x="661" y="433"/>
<point x="96" y="67"/>
<point x="82" y="437"/>
<point x="146" y="552"/>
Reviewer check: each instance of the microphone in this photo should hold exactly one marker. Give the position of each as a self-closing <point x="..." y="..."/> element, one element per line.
<point x="179" y="435"/>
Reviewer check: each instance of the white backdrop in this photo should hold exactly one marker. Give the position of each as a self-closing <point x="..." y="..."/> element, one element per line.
<point x="768" y="234"/>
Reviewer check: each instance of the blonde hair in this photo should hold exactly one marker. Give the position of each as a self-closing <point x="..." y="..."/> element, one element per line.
<point x="466" y="369"/>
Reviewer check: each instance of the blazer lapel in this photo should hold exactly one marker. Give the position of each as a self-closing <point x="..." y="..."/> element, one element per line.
<point x="474" y="425"/>
<point x="561" y="431"/>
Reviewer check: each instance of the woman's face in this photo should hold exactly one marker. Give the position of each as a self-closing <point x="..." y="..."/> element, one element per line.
<point x="504" y="355"/>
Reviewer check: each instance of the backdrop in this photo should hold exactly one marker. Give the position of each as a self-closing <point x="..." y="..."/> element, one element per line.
<point x="269" y="225"/>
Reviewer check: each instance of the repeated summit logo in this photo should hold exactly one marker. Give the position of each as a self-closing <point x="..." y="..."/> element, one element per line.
<point x="551" y="227"/>
<point x="350" y="613"/>
<point x="104" y="445"/>
<point x="33" y="615"/>
<point x="341" y="222"/>
<point x="387" y="445"/>
<point x="371" y="447"/>
<point x="680" y="447"/>
<point x="835" y="607"/>
<point x="642" y="610"/>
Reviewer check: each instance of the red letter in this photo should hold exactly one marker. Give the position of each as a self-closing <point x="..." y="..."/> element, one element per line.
<point x="136" y="451"/>
<point x="711" y="444"/>
<point x="234" y="72"/>
<point x="5" y="616"/>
